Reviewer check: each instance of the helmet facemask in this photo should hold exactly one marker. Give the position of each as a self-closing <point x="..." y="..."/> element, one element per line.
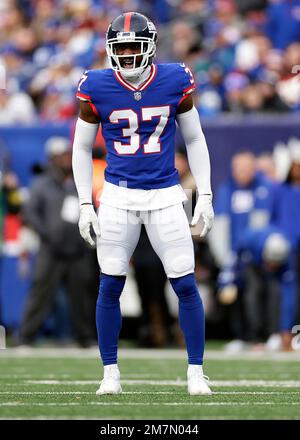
<point x="140" y="60"/>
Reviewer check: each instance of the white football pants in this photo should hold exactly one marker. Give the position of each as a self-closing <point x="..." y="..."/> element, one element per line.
<point x="168" y="231"/>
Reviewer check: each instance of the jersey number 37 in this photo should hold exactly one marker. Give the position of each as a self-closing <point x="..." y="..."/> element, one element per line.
<point x="153" y="144"/>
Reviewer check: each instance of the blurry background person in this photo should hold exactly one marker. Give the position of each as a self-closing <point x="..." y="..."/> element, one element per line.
<point x="265" y="164"/>
<point x="16" y="108"/>
<point x="244" y="201"/>
<point x="53" y="213"/>
<point x="286" y="212"/>
<point x="269" y="299"/>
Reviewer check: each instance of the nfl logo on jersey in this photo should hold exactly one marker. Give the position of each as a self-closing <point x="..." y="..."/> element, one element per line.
<point x="137" y="96"/>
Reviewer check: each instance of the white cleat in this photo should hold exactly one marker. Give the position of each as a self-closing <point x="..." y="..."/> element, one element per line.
<point x="197" y="382"/>
<point x="111" y="382"/>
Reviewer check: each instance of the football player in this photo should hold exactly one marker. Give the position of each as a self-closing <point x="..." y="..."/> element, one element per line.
<point x="138" y="104"/>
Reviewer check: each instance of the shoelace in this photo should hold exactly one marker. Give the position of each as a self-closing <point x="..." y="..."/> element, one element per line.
<point x="206" y="378"/>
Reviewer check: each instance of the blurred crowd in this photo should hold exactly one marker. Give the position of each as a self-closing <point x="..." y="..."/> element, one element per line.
<point x="244" y="54"/>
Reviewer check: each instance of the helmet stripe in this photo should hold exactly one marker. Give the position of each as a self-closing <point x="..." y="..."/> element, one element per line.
<point x="127" y="21"/>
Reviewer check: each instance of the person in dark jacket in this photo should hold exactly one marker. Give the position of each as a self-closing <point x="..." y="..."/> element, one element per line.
<point x="269" y="253"/>
<point x="52" y="211"/>
<point x="286" y="212"/>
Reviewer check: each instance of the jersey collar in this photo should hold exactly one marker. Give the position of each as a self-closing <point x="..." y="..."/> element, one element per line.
<point x="143" y="86"/>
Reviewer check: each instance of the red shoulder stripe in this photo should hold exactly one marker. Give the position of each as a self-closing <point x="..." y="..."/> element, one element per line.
<point x="189" y="89"/>
<point x="82" y="95"/>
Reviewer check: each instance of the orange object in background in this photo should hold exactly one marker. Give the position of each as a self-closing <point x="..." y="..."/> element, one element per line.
<point x="11" y="227"/>
<point x="99" y="166"/>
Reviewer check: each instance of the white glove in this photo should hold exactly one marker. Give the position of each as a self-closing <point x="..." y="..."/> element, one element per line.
<point x="204" y="211"/>
<point x="87" y="219"/>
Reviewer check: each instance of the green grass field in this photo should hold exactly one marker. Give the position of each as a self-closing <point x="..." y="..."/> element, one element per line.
<point x="49" y="384"/>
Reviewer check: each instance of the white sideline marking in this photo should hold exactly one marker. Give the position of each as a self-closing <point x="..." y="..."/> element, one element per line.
<point x="30" y="376"/>
<point x="148" y="403"/>
<point x="96" y="382"/>
<point x="160" y="376"/>
<point x="55" y="393"/>
<point x="179" y="382"/>
<point x="129" y="353"/>
<point x="67" y="376"/>
<point x="171" y="393"/>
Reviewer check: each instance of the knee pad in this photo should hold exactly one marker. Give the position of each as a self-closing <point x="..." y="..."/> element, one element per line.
<point x="180" y="263"/>
<point x="113" y="266"/>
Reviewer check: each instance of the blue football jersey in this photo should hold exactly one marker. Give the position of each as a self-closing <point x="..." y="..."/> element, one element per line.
<point x="138" y="124"/>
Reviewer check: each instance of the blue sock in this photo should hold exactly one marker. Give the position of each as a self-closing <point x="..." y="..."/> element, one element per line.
<point x="191" y="316"/>
<point x="108" y="316"/>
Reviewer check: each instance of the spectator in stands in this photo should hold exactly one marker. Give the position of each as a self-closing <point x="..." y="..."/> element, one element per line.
<point x="16" y="108"/>
<point x="52" y="211"/>
<point x="272" y="102"/>
<point x="240" y="38"/>
<point x="265" y="164"/>
<point x="288" y="86"/>
<point x="283" y="22"/>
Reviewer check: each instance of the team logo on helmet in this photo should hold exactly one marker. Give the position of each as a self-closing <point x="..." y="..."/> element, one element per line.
<point x="151" y="26"/>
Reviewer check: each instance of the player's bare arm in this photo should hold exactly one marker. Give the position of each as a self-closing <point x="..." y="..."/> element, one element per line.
<point x="186" y="105"/>
<point x="87" y="114"/>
